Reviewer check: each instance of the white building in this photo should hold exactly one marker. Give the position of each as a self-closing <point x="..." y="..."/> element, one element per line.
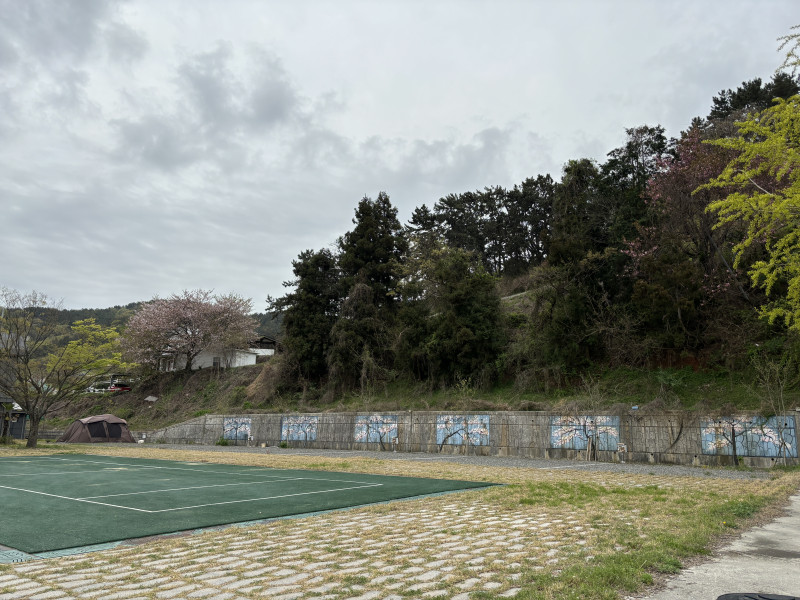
<point x="258" y="351"/>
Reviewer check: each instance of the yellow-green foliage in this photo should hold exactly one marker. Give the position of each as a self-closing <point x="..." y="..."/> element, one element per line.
<point x="765" y="179"/>
<point x="95" y="350"/>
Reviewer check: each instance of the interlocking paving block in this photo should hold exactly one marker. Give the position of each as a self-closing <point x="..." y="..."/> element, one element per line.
<point x="15" y="556"/>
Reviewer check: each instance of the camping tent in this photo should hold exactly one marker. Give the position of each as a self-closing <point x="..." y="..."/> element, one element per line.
<point x="100" y="428"/>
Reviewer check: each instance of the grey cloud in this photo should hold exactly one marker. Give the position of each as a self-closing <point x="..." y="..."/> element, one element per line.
<point x="8" y="109"/>
<point x="479" y="162"/>
<point x="50" y="29"/>
<point x="159" y="141"/>
<point x="318" y="146"/>
<point x="273" y="99"/>
<point x="217" y="110"/>
<point x="211" y="87"/>
<point x="261" y="97"/>
<point x="125" y="45"/>
<point x="47" y="48"/>
<point x="8" y="54"/>
<point x="68" y="90"/>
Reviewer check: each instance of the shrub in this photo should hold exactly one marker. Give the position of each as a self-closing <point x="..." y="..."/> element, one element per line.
<point x="238" y="395"/>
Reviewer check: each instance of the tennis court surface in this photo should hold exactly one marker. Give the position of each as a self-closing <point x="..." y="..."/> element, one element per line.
<point x="66" y="501"/>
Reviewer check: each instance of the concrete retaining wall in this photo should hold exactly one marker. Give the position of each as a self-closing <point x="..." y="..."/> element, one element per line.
<point x="665" y="438"/>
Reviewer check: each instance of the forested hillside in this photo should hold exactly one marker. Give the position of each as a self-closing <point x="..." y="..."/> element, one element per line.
<point x="613" y="264"/>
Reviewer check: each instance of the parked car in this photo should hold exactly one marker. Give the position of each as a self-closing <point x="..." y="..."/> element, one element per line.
<point x="118" y="386"/>
<point x="99" y="387"/>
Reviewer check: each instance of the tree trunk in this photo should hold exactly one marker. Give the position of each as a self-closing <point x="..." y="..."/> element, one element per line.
<point x="33" y="434"/>
<point x="733" y="446"/>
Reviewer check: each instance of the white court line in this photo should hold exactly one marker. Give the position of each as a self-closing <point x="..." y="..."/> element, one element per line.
<point x="196" y="487"/>
<point x="268" y="498"/>
<point x="96" y="462"/>
<point x="75" y="499"/>
<point x="196" y="505"/>
<point x="241" y="474"/>
<point x="62" y="473"/>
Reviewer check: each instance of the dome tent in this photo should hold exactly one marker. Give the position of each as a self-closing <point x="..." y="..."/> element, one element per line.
<point x="98" y="429"/>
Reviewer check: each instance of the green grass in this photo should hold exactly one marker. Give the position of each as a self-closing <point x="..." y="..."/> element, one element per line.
<point x="184" y="396"/>
<point x="666" y="388"/>
<point x="680" y="525"/>
<point x="671" y="389"/>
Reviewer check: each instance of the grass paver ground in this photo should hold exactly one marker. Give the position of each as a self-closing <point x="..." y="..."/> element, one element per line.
<point x="63" y="501"/>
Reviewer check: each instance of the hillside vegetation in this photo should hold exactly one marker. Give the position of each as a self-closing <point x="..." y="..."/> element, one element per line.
<point x="183" y="396"/>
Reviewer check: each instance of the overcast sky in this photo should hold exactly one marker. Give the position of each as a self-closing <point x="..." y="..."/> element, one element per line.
<point x="148" y="147"/>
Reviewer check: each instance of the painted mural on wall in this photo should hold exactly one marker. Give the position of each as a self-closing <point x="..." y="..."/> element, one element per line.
<point x="299" y="428"/>
<point x="471" y="430"/>
<point x="376" y="429"/>
<point x="236" y="428"/>
<point x="574" y="432"/>
<point x="774" y="437"/>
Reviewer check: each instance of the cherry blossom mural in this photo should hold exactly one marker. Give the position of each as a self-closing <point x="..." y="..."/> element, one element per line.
<point x="574" y="432"/>
<point x="376" y="429"/>
<point x="236" y="428"/>
<point x="299" y="428"/>
<point x="750" y="436"/>
<point x="469" y="430"/>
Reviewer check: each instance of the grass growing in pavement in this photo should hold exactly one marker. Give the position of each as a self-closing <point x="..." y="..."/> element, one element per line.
<point x="547" y="534"/>
<point x="644" y="529"/>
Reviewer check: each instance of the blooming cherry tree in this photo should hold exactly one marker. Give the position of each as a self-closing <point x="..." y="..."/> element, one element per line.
<point x="184" y="325"/>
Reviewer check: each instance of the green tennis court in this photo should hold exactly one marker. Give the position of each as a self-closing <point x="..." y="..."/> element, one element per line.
<point x="65" y="501"/>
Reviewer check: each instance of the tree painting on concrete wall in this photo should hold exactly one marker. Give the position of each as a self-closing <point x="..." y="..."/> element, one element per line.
<point x="236" y="428"/>
<point x="300" y="428"/>
<point x="376" y="429"/>
<point x="574" y="432"/>
<point x="466" y="430"/>
<point x="771" y="437"/>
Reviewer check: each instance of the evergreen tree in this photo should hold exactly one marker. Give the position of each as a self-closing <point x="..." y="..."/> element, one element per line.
<point x="752" y="96"/>
<point x="450" y="324"/>
<point x="360" y="343"/>
<point x="371" y="257"/>
<point x="578" y="214"/>
<point x="625" y="176"/>
<point x="373" y="251"/>
<point x="309" y="312"/>
<point x="464" y="334"/>
<point x="528" y="217"/>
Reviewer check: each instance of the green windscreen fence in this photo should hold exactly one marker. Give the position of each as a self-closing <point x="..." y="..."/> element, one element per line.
<point x="65" y="501"/>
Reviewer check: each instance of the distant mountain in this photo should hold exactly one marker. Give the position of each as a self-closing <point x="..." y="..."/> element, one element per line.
<point x="269" y="324"/>
<point x="117" y="316"/>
